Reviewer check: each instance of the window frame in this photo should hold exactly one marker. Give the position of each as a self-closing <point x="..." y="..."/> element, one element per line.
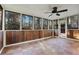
<point x="50" y="25"/>
<point x="71" y="22"/>
<point x="29" y="23"/>
<point x="18" y="20"/>
<point x="40" y="19"/>
<point x="1" y="17"/>
<point x="45" y="28"/>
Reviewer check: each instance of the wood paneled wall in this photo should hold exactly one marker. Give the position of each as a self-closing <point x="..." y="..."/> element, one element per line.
<point x="14" y="37"/>
<point x="73" y="34"/>
<point x="21" y="36"/>
<point x="47" y="33"/>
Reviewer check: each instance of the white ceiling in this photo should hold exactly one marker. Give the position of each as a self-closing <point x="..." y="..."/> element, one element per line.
<point x="40" y="9"/>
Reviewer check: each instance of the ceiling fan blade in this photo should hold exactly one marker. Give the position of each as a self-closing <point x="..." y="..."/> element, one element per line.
<point x="50" y="14"/>
<point x="58" y="14"/>
<point x="62" y="10"/>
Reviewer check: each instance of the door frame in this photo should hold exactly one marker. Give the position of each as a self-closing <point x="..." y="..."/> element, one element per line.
<point x="62" y="35"/>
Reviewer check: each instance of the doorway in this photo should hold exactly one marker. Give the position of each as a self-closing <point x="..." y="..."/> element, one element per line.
<point x="62" y="28"/>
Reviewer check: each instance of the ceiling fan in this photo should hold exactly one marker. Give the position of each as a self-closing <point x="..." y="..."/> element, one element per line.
<point x="56" y="11"/>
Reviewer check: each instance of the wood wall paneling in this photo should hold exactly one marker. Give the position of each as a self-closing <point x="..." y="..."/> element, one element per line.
<point x="70" y="33"/>
<point x="47" y="33"/>
<point x="29" y="35"/>
<point x="36" y="34"/>
<point x="8" y="37"/>
<point x="21" y="36"/>
<point x="14" y="37"/>
<point x="74" y="34"/>
<point x="40" y="34"/>
<point x="25" y="35"/>
<point x="52" y="33"/>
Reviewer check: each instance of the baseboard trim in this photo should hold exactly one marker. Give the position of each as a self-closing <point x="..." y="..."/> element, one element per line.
<point x="73" y="39"/>
<point x="70" y="39"/>
<point x="28" y="41"/>
<point x="1" y="50"/>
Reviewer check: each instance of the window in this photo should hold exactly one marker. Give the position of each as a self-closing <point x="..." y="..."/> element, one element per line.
<point x="27" y="22"/>
<point x="55" y="24"/>
<point x="1" y="10"/>
<point x="12" y="20"/>
<point x="62" y="24"/>
<point x="50" y="24"/>
<point x="55" y="27"/>
<point x="37" y="23"/>
<point x="72" y="22"/>
<point x="78" y="21"/>
<point x="45" y="23"/>
<point x="1" y="32"/>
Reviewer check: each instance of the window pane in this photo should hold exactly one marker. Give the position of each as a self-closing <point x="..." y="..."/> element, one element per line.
<point x="55" y="24"/>
<point x="45" y="23"/>
<point x="50" y="24"/>
<point x="12" y="20"/>
<point x="78" y="21"/>
<point x="27" y="22"/>
<point x="72" y="22"/>
<point x="37" y="23"/>
<point x="1" y="10"/>
<point x="55" y="27"/>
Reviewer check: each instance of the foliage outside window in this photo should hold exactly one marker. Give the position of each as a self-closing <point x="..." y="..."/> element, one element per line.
<point x="45" y="23"/>
<point x="1" y="10"/>
<point x="27" y="22"/>
<point x="72" y="22"/>
<point x="55" y="24"/>
<point x="50" y="24"/>
<point x="12" y="20"/>
<point x="55" y="27"/>
<point x="37" y="23"/>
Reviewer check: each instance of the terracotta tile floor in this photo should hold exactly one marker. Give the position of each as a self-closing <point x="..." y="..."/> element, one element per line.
<point x="53" y="46"/>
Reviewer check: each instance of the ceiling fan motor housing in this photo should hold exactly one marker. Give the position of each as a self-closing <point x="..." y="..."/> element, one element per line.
<point x="54" y="10"/>
<point x="57" y="12"/>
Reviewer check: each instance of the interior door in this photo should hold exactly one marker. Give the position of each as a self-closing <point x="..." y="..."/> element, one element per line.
<point x="63" y="28"/>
